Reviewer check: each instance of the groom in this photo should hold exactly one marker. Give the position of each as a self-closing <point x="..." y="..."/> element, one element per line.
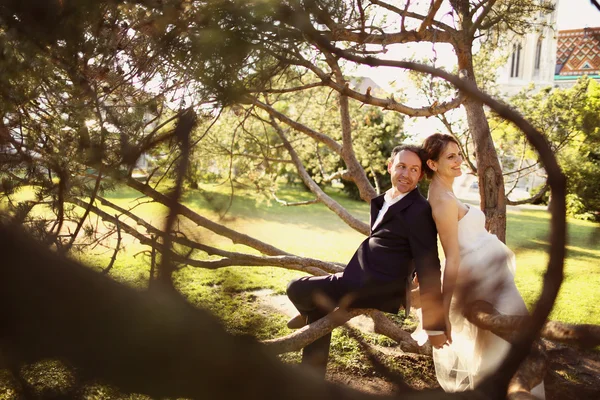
<point x="403" y="239"/>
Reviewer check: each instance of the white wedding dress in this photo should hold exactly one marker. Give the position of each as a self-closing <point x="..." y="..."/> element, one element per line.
<point x="486" y="272"/>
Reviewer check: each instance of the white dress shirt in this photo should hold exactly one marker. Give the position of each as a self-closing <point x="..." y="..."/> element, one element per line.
<point x="387" y="203"/>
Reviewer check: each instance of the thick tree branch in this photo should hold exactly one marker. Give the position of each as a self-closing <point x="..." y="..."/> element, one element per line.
<point x="304" y="264"/>
<point x="508" y="327"/>
<point x="219" y="229"/>
<point x="308" y="334"/>
<point x="433" y="9"/>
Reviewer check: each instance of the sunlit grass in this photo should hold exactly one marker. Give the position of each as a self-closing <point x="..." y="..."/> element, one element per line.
<point x="314" y="231"/>
<point x="579" y="296"/>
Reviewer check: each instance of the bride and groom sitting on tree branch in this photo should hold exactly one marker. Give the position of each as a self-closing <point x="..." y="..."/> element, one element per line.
<point x="402" y="250"/>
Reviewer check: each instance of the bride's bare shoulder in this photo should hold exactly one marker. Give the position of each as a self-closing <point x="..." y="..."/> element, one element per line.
<point x="439" y="197"/>
<point x="441" y="201"/>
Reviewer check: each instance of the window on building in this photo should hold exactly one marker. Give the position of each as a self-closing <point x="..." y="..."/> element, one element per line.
<point x="515" y="60"/>
<point x="538" y="53"/>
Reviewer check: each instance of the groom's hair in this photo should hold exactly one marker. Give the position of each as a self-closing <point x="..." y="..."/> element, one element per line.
<point x="418" y="150"/>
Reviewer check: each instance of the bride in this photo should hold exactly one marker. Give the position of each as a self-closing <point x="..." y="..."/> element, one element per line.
<point x="478" y="267"/>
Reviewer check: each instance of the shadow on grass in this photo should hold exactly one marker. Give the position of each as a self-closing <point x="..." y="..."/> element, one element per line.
<point x="531" y="231"/>
<point x="227" y="293"/>
<point x="248" y="206"/>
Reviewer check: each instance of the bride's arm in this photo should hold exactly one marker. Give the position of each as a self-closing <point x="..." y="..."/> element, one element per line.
<point x="445" y="215"/>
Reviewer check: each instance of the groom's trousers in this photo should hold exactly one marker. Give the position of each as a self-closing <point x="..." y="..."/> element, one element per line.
<point x="316" y="296"/>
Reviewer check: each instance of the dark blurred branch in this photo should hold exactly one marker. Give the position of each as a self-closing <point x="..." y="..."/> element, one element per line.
<point x="182" y="133"/>
<point x="151" y="343"/>
<point x="117" y="248"/>
<point x="219" y="229"/>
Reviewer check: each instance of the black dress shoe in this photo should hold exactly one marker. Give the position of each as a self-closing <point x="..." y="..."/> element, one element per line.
<point x="297" y="322"/>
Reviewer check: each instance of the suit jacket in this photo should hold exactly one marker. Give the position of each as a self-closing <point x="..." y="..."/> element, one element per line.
<point x="403" y="242"/>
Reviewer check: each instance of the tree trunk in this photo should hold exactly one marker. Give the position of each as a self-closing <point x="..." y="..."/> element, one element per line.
<point x="489" y="171"/>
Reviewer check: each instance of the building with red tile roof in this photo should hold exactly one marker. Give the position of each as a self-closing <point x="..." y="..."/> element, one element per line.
<point x="577" y="54"/>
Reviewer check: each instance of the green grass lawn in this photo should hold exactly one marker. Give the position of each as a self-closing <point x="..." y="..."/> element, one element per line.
<point x="579" y="296"/>
<point x="314" y="231"/>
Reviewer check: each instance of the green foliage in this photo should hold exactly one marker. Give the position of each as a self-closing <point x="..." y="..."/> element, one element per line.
<point x="243" y="146"/>
<point x="570" y="121"/>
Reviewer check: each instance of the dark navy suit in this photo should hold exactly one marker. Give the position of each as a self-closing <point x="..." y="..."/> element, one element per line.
<point x="380" y="272"/>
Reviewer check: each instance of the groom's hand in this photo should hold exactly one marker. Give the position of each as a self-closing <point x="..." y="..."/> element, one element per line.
<point x="438" y="341"/>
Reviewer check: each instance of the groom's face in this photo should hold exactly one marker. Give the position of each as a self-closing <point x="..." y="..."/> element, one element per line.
<point x="405" y="171"/>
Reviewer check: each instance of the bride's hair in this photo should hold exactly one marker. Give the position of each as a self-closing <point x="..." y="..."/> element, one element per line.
<point x="433" y="147"/>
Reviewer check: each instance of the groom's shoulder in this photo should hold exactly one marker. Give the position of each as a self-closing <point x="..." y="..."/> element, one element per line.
<point x="419" y="204"/>
<point x="419" y="199"/>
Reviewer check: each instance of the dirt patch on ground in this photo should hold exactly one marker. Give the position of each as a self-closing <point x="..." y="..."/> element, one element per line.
<point x="572" y="374"/>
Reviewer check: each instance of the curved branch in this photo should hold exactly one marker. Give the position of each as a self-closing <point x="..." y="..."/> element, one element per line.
<point x="329" y="142"/>
<point x="532" y="199"/>
<point x="508" y="327"/>
<point x="554" y="274"/>
<point x="334" y="206"/>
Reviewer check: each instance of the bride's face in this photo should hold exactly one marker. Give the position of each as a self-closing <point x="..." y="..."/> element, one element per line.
<point x="449" y="162"/>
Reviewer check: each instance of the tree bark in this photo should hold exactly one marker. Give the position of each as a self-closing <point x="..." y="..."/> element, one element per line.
<point x="489" y="171"/>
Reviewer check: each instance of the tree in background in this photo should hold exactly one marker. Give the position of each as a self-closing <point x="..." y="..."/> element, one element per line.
<point x="570" y="121"/>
